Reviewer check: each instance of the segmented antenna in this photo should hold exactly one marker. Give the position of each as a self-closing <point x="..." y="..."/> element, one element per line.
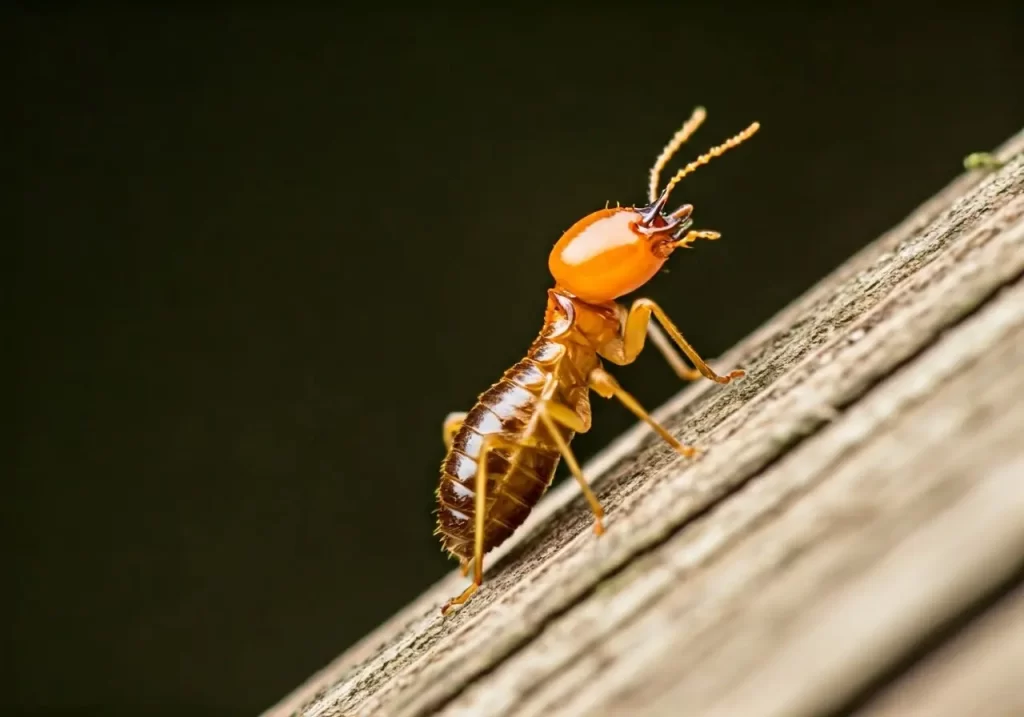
<point x="684" y="133"/>
<point x="711" y="154"/>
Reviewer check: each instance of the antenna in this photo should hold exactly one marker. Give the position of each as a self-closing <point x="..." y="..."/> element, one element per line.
<point x="684" y="133"/>
<point x="711" y="154"/>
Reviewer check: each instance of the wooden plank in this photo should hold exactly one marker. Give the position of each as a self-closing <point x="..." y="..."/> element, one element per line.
<point x="979" y="672"/>
<point x="648" y="618"/>
<point x="797" y="591"/>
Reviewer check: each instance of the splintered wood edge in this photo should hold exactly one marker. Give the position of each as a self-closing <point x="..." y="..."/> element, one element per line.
<point x="319" y="684"/>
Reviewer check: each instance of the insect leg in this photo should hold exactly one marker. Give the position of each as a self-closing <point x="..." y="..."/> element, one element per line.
<point x="635" y="332"/>
<point x="605" y="385"/>
<point x="665" y="347"/>
<point x="490" y="442"/>
<point x="451" y="426"/>
<point x="551" y="413"/>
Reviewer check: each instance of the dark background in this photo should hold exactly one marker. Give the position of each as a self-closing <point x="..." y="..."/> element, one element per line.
<point x="260" y="256"/>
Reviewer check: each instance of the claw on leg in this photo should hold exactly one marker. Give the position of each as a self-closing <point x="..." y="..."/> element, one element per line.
<point x="446" y="608"/>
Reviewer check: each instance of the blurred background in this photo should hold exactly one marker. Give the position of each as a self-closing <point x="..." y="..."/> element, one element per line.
<point x="260" y="255"/>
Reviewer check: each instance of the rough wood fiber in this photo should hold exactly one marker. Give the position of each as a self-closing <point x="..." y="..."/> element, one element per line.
<point x="860" y="501"/>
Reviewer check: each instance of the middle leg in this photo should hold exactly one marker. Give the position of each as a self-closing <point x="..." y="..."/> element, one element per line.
<point x="552" y="414"/>
<point x="604" y="384"/>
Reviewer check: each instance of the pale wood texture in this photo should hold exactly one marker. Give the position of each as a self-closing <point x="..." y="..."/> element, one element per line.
<point x="850" y="541"/>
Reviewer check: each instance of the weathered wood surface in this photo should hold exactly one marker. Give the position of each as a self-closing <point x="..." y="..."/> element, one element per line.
<point x="850" y="541"/>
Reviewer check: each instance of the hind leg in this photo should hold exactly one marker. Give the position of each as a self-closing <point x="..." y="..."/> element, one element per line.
<point x="491" y="442"/>
<point x="549" y="413"/>
<point x="452" y="424"/>
<point x="479" y="521"/>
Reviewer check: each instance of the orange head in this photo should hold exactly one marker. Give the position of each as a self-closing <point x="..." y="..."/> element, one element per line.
<point x="613" y="252"/>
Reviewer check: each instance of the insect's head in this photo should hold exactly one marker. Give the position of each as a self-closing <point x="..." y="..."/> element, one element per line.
<point x="614" y="251"/>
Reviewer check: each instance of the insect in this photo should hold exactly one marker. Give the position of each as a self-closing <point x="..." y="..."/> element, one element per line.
<point x="982" y="160"/>
<point x="502" y="455"/>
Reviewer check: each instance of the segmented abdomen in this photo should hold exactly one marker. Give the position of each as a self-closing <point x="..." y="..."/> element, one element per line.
<point x="511" y="490"/>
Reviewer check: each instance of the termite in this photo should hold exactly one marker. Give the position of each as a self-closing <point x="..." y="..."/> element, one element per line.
<point x="502" y="455"/>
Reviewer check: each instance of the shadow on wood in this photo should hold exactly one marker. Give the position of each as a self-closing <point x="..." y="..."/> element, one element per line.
<point x="850" y="541"/>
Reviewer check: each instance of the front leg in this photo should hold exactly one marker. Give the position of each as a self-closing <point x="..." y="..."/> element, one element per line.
<point x="664" y="345"/>
<point x="637" y="325"/>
